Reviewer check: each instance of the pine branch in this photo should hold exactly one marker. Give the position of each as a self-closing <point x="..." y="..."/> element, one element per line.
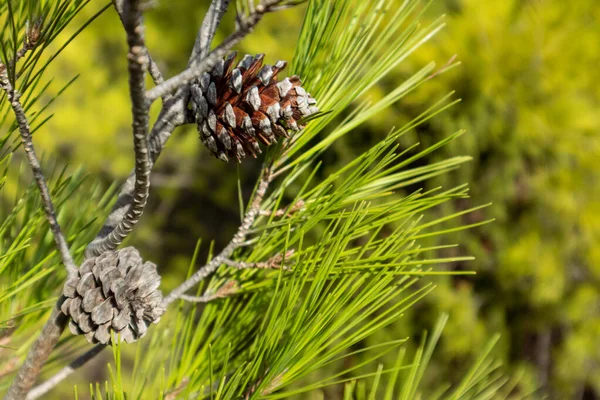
<point x="272" y="263"/>
<point x="173" y="113"/>
<point x="25" y="131"/>
<point x="245" y="25"/>
<point x="287" y="211"/>
<point x="137" y="61"/>
<point x="173" y="394"/>
<point x="154" y="71"/>
<point x="41" y="349"/>
<point x="38" y="354"/>
<point x="42" y="389"/>
<point x="211" y="21"/>
<point x="171" y="116"/>
<point x="32" y="37"/>
<point x="152" y="67"/>
<point x="235" y="243"/>
<point x="229" y="288"/>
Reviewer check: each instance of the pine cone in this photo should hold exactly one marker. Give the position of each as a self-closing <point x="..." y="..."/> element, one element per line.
<point x="113" y="292"/>
<point x="235" y="108"/>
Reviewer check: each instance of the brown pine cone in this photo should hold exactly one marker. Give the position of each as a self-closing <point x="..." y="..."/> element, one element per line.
<point x="113" y="292"/>
<point x="236" y="108"/>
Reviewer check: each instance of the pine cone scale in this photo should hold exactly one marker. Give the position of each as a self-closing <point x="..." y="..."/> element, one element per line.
<point x="74" y="328"/>
<point x="86" y="283"/>
<point x="74" y="307"/>
<point x="85" y="323"/>
<point x="102" y="333"/>
<point x="91" y="299"/>
<point x="70" y="288"/>
<point x="121" y="320"/>
<point x="102" y="313"/>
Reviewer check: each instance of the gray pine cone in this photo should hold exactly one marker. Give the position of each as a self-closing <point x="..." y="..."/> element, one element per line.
<point x="236" y="107"/>
<point x="115" y="291"/>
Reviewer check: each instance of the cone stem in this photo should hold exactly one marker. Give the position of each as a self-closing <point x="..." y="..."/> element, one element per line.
<point x="237" y="241"/>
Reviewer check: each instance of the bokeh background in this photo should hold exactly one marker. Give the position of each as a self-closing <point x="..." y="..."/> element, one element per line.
<point x="531" y="105"/>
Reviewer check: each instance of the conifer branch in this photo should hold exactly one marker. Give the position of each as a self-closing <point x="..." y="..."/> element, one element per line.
<point x="152" y="67"/>
<point x="173" y="113"/>
<point x="32" y="36"/>
<point x="273" y="263"/>
<point x="137" y="61"/>
<point x="154" y="71"/>
<point x="237" y="241"/>
<point x="38" y="354"/>
<point x="211" y="21"/>
<point x="287" y="211"/>
<point x="229" y="288"/>
<point x="59" y="239"/>
<point x="42" y="347"/>
<point x="43" y="388"/>
<point x="175" y="392"/>
<point x="246" y="24"/>
<point x="171" y="116"/>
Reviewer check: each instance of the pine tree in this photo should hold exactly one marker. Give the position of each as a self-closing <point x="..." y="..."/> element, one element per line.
<point x="316" y="266"/>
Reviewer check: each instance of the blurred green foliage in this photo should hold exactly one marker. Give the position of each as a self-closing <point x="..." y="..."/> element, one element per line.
<point x="530" y="105"/>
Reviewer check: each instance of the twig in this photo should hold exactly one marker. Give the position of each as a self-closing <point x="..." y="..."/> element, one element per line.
<point x="152" y="67"/>
<point x="250" y="265"/>
<point x="171" y="116"/>
<point x="446" y="66"/>
<point x="31" y="40"/>
<point x="236" y="242"/>
<point x="173" y="113"/>
<point x="42" y="347"/>
<point x="229" y="288"/>
<point x="274" y="262"/>
<point x="38" y="175"/>
<point x="246" y="25"/>
<point x="137" y="61"/>
<point x="154" y="71"/>
<point x="38" y="354"/>
<point x="156" y="75"/>
<point x="175" y="392"/>
<point x="42" y="389"/>
<point x="211" y="21"/>
<point x="289" y="210"/>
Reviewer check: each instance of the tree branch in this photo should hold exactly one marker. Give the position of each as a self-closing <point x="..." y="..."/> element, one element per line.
<point x="42" y="389"/>
<point x="38" y="175"/>
<point x="154" y="71"/>
<point x="275" y="262"/>
<point x="229" y="288"/>
<point x="173" y="113"/>
<point x="211" y="21"/>
<point x="236" y="242"/>
<point x="287" y="211"/>
<point x="152" y="67"/>
<point x="171" y="116"/>
<point x="137" y="61"/>
<point x="38" y="354"/>
<point x="246" y="25"/>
